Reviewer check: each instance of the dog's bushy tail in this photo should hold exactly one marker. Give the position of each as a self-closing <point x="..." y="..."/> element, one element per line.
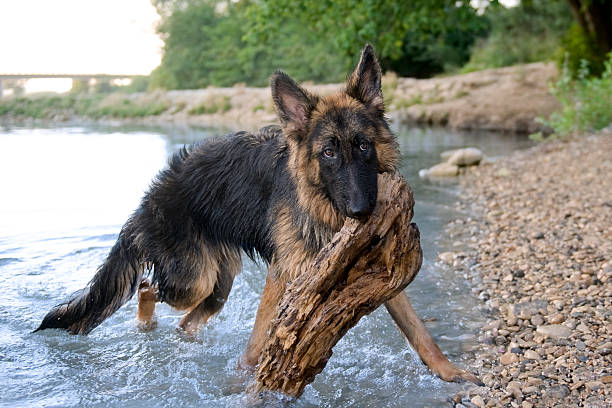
<point x="114" y="284"/>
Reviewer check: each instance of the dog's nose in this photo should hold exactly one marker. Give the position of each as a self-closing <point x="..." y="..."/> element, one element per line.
<point x="359" y="209"/>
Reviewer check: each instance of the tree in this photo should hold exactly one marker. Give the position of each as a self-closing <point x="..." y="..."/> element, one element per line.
<point x="529" y="32"/>
<point x="383" y="23"/>
<point x="205" y="45"/>
<point x="595" y="19"/>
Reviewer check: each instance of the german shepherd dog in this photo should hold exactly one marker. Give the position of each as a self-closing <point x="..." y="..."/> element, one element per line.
<point x="280" y="193"/>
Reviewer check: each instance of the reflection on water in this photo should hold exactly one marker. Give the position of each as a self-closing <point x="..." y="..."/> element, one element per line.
<point x="66" y="193"/>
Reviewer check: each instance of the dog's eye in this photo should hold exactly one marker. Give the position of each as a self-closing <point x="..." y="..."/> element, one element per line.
<point x="363" y="146"/>
<point x="329" y="153"/>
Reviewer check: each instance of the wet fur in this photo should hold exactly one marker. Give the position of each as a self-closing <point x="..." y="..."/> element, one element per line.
<point x="273" y="194"/>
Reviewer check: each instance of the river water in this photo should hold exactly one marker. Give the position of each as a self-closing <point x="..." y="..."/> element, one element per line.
<point x="64" y="194"/>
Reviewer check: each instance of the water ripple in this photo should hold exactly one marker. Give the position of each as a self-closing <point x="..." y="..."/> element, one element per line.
<point x="70" y="233"/>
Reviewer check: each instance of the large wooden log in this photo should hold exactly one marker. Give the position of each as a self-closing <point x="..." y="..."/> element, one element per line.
<point x="363" y="266"/>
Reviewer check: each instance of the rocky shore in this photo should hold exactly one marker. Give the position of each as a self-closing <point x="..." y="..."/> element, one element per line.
<point x="539" y="252"/>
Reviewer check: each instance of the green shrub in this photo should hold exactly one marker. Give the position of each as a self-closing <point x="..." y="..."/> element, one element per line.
<point x="94" y="106"/>
<point x="585" y="100"/>
<point x="36" y="107"/>
<point x="126" y="108"/>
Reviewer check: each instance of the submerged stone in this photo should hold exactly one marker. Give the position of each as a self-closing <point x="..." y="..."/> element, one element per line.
<point x="466" y="157"/>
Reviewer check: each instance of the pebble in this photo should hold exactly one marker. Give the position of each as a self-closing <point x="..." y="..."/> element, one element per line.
<point x="531" y="355"/>
<point x="594" y="385"/>
<point x="556" y="318"/>
<point x="555" y="330"/>
<point x="558" y="303"/>
<point x="530" y="389"/>
<point x="537" y="320"/>
<point x="514" y="388"/>
<point x="526" y="310"/>
<point x="494" y="325"/>
<point x="583" y="328"/>
<point x="478" y="401"/>
<point x="508" y="358"/>
<point x="558" y="391"/>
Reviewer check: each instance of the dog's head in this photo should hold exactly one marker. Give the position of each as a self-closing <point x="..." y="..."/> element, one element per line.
<point x="337" y="143"/>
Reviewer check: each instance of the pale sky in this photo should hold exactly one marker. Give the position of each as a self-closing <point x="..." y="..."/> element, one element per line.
<point x="78" y="37"/>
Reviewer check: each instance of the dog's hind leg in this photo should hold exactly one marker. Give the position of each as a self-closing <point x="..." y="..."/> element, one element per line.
<point x="147" y="297"/>
<point x="229" y="267"/>
<point x="417" y="334"/>
<point x="210" y="306"/>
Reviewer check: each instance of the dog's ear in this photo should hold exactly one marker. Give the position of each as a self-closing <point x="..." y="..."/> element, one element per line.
<point x="293" y="103"/>
<point x="364" y="84"/>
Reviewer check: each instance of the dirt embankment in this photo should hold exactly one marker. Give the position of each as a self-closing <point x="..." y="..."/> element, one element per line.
<point x="541" y="260"/>
<point x="507" y="99"/>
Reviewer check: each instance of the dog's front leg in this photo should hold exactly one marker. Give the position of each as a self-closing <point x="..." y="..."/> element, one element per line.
<point x="272" y="293"/>
<point x="417" y="334"/>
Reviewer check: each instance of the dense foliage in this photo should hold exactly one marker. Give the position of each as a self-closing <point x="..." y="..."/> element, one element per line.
<point x="212" y="43"/>
<point x="220" y="43"/>
<point x="416" y="38"/>
<point x="206" y="46"/>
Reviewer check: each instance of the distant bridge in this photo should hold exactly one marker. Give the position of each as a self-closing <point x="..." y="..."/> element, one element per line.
<point x="82" y="77"/>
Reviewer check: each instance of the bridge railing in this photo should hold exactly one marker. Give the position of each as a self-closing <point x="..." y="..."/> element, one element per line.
<point x="82" y="77"/>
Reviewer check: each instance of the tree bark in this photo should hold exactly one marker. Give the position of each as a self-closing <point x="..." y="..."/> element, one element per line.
<point x="363" y="266"/>
<point x="595" y="18"/>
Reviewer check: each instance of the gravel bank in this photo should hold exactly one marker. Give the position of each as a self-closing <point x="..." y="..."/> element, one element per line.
<point x="540" y="256"/>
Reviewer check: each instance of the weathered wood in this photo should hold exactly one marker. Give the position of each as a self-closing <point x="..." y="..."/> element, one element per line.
<point x="363" y="266"/>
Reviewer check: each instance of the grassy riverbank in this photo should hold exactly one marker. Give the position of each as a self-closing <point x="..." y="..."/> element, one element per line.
<point x="541" y="260"/>
<point x="507" y="99"/>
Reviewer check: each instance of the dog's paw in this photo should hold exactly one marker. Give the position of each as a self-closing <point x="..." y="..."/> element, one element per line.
<point x="454" y="374"/>
<point x="147" y="326"/>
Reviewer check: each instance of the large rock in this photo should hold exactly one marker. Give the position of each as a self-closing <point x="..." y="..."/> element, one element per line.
<point x="466" y="157"/>
<point x="445" y="155"/>
<point x="440" y="170"/>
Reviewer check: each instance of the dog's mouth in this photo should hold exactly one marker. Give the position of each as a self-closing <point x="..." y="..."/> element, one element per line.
<point x="360" y="218"/>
